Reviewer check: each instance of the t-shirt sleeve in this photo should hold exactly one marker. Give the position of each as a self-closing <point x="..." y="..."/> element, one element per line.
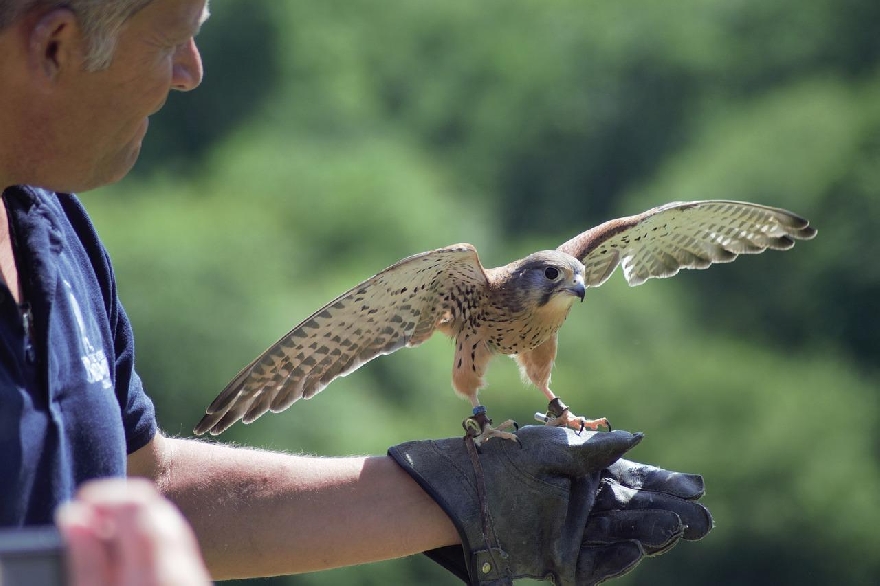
<point x="138" y="412"/>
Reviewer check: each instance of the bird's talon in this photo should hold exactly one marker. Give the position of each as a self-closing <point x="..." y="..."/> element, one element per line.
<point x="565" y="418"/>
<point x="471" y="427"/>
<point x="479" y="427"/>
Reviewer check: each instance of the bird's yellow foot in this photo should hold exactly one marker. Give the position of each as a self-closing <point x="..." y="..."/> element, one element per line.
<point x="479" y="427"/>
<point x="559" y="415"/>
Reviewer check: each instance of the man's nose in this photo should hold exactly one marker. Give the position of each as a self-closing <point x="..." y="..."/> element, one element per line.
<point x="187" y="68"/>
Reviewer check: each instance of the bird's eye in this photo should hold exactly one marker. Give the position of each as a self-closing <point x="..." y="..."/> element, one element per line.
<point x="551" y="273"/>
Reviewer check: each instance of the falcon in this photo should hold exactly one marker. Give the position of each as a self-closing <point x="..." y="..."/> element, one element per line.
<point x="516" y="309"/>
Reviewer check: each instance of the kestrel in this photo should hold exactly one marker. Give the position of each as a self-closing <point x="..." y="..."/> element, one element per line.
<point x="516" y="309"/>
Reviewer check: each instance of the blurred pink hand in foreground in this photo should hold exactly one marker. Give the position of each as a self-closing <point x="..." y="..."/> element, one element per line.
<point x="122" y="532"/>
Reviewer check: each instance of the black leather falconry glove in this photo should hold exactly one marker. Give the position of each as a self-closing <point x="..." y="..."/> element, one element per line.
<point x="557" y="506"/>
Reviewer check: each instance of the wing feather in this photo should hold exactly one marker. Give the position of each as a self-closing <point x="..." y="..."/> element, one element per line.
<point x="683" y="235"/>
<point x="398" y="307"/>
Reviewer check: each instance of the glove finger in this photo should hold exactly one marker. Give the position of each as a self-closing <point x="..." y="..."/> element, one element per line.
<point x="562" y="451"/>
<point x="695" y="517"/>
<point x="644" y="476"/>
<point x="656" y="530"/>
<point x="597" y="563"/>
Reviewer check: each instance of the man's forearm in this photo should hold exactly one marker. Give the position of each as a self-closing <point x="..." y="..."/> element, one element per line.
<point x="260" y="513"/>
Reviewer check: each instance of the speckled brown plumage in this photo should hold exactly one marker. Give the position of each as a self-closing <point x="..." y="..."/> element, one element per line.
<point x="516" y="309"/>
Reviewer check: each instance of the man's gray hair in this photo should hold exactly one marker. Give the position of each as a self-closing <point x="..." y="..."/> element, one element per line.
<point x="101" y="21"/>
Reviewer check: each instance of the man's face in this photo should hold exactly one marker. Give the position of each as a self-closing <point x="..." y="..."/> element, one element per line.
<point x="105" y="112"/>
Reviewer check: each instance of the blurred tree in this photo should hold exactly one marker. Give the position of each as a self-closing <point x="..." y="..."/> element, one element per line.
<point x="332" y="138"/>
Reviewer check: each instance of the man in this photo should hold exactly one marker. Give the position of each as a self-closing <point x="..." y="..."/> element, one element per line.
<point x="80" y="79"/>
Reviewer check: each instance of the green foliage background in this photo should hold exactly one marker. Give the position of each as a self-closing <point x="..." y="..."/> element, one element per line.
<point x="331" y="138"/>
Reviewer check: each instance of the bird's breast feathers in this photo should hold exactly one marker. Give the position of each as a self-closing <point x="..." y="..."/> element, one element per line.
<point x="511" y="333"/>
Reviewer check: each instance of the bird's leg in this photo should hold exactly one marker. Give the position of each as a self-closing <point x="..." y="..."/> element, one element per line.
<point x="535" y="364"/>
<point x="471" y="358"/>
<point x="479" y="426"/>
<point x="559" y="415"/>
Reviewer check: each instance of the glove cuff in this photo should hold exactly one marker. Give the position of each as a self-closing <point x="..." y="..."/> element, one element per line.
<point x="451" y="558"/>
<point x="444" y="470"/>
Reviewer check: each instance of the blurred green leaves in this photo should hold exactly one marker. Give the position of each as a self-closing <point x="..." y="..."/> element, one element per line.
<point x="331" y="139"/>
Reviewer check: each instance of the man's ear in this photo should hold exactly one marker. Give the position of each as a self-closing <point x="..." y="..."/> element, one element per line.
<point x="55" y="45"/>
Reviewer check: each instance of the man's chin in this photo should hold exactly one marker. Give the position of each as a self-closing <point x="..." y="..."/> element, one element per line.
<point x="123" y="165"/>
<point x="126" y="160"/>
<point x="103" y="177"/>
<point x="123" y="171"/>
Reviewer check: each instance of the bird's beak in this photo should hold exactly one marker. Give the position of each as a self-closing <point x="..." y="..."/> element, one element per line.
<point x="579" y="288"/>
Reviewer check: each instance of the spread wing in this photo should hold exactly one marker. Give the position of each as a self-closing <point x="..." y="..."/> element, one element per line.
<point x="401" y="306"/>
<point x="683" y="235"/>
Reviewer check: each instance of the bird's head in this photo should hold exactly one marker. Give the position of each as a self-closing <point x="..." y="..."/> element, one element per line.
<point x="548" y="277"/>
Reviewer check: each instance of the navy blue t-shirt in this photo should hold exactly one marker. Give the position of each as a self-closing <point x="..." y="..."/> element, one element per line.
<point x="71" y="404"/>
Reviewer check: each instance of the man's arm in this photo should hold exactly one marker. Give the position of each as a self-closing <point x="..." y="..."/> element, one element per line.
<point x="260" y="513"/>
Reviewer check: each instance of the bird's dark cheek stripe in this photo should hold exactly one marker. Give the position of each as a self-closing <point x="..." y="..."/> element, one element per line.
<point x="545" y="298"/>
